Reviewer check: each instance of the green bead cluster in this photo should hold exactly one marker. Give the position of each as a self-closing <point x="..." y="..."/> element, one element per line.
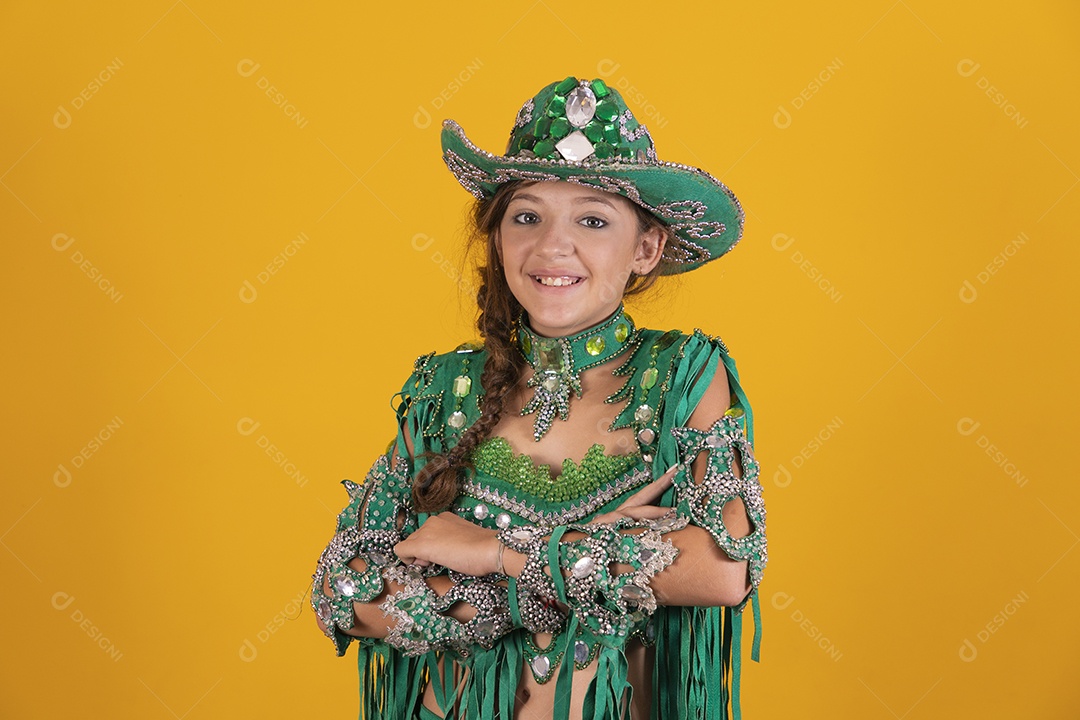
<point x="496" y="458"/>
<point x="550" y="124"/>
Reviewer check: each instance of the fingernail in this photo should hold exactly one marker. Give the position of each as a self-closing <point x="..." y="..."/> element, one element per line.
<point x="673" y="467"/>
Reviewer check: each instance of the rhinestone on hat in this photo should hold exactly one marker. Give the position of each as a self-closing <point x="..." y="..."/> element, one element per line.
<point x="575" y="147"/>
<point x="580" y="105"/>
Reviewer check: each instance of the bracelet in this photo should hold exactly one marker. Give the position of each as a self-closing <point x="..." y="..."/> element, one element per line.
<point x="501" y="569"/>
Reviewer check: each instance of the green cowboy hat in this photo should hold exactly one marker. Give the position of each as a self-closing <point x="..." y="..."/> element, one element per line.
<point x="581" y="131"/>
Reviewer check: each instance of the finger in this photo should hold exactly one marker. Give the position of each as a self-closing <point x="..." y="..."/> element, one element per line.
<point x="404" y="552"/>
<point x="651" y="492"/>
<point x="647" y="512"/>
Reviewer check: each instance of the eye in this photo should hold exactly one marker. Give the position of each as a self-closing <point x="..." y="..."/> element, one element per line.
<point x="526" y="218"/>
<point x="594" y="222"/>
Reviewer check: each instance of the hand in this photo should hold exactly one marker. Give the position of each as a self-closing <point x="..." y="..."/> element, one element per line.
<point x="639" y="505"/>
<point x="450" y="540"/>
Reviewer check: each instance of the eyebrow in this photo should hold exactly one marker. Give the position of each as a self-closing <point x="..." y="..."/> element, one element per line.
<point x="579" y="199"/>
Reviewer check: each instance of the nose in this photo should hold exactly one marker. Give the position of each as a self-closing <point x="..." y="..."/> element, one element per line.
<point x="553" y="241"/>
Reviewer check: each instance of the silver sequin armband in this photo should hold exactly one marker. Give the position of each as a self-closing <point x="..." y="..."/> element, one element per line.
<point x="704" y="501"/>
<point x="420" y="622"/>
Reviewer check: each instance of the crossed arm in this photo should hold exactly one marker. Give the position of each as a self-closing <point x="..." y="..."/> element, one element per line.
<point x="703" y="574"/>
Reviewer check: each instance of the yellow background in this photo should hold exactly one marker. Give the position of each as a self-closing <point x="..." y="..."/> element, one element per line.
<point x="913" y="406"/>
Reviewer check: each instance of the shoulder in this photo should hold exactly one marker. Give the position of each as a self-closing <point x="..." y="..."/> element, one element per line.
<point x="442" y="394"/>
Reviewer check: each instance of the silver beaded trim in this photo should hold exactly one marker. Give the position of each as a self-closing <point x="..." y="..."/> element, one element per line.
<point x="574" y="513"/>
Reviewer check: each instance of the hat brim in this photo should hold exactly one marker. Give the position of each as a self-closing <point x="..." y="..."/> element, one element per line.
<point x="705" y="218"/>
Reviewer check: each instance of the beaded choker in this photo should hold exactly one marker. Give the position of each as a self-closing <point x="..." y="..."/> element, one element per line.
<point x="557" y="364"/>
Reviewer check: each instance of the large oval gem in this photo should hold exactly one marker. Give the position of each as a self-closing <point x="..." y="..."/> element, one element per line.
<point x="580" y="106"/>
<point x="595" y="345"/>
<point x="522" y="536"/>
<point x="581" y="652"/>
<point x="583" y="567"/>
<point x="541" y="665"/>
<point x="633" y="593"/>
<point x="345" y="585"/>
<point x="622" y="331"/>
<point x="526" y="344"/>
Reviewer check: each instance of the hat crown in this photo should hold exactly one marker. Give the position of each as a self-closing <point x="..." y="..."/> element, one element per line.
<point x="579" y="121"/>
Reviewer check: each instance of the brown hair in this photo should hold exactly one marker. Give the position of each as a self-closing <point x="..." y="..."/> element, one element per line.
<point x="439" y="482"/>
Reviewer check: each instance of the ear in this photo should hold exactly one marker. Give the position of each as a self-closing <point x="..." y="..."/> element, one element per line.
<point x="649" y="250"/>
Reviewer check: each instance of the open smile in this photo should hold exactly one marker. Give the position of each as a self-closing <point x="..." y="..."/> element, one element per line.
<point x="557" y="280"/>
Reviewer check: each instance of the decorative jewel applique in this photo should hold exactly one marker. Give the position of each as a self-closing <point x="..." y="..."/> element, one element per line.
<point x="557" y="364"/>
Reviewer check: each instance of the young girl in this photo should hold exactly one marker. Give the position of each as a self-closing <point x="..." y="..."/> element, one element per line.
<point x="569" y="522"/>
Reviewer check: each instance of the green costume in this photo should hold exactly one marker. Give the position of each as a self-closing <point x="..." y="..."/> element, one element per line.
<point x="577" y="131"/>
<point x="696" y="670"/>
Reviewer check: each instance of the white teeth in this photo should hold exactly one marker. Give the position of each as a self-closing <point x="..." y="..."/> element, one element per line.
<point x="557" y="281"/>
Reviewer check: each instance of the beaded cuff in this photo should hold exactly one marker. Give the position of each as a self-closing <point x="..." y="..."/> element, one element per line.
<point x="366" y="529"/>
<point x="704" y="502"/>
<point x="534" y="591"/>
<point x="420" y="623"/>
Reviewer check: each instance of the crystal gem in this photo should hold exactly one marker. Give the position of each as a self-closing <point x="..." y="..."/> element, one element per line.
<point x="714" y="441"/>
<point x="648" y="378"/>
<point x="345" y="585"/>
<point x="543" y="148"/>
<point x="633" y="593"/>
<point x="456" y="419"/>
<point x="541" y="665"/>
<point x="581" y="651"/>
<point x="580" y="106"/>
<point x="646" y="554"/>
<point x="522" y="536"/>
<point x="324" y="611"/>
<point x="480" y="511"/>
<point x="607" y="110"/>
<point x="647" y="457"/>
<point x="408" y="604"/>
<point x="575" y="147"/>
<point x="664" y="523"/>
<point x="583" y="567"/>
<point x="666" y="340"/>
<point x="462" y="385"/>
<point x="650" y="632"/>
<point x="595" y="345"/>
<point x="556" y="106"/>
<point x="734" y="412"/>
<point x="526" y="344"/>
<point x="622" y="331"/>
<point x="485" y="627"/>
<point x="560" y="128"/>
<point x="646" y="436"/>
<point x="415" y="634"/>
<point x="643" y="413"/>
<point x="551" y="382"/>
<point x="566" y="84"/>
<point x="502" y="520"/>
<point x="600" y="88"/>
<point x="550" y="355"/>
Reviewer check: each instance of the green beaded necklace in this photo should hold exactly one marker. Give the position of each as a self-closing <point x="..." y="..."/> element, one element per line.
<point x="557" y="363"/>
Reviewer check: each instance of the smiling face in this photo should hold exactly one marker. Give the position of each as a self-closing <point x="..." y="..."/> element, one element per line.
<point x="568" y="251"/>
